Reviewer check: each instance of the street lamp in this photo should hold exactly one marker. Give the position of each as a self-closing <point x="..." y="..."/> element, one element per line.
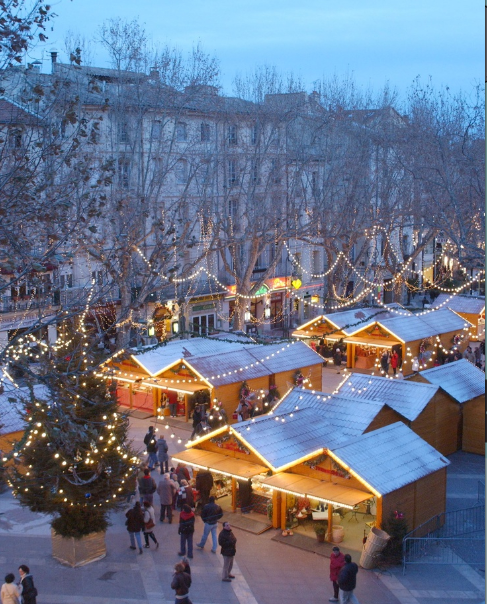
<point x="247" y="315"/>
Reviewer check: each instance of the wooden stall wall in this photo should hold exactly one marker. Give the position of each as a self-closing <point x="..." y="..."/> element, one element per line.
<point x="425" y="426"/>
<point x="448" y="422"/>
<point x="418" y="501"/>
<point x="385" y="417"/>
<point x="229" y="394"/>
<point x="473" y="434"/>
<point x="7" y="440"/>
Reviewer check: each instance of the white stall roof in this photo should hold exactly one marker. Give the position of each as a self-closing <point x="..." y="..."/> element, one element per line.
<point x="445" y="320"/>
<point x="465" y="304"/>
<point x="282" y="439"/>
<point x="407" y="398"/>
<point x="390" y="458"/>
<point x="357" y="318"/>
<point x="163" y="356"/>
<point x="341" y="411"/>
<point x="460" y="379"/>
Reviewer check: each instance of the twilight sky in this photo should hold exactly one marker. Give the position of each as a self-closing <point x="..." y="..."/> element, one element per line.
<point x="376" y="40"/>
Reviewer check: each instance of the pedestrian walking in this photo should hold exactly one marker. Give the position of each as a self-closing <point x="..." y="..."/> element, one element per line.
<point x="135" y="524"/>
<point x="26" y="584"/>
<point x="347" y="580"/>
<point x="337" y="359"/>
<point x="149" y="524"/>
<point x="162" y="454"/>
<point x="147" y="487"/>
<point x="227" y="542"/>
<point x="166" y="489"/>
<point x="210" y="514"/>
<point x="337" y="562"/>
<point x="181" y="582"/>
<point x="186" y="530"/>
<point x="151" y="445"/>
<point x="10" y="593"/>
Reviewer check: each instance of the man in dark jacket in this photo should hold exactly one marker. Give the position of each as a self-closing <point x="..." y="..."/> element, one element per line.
<point x="147" y="487"/>
<point x="210" y="515"/>
<point x="151" y="444"/>
<point x="347" y="580"/>
<point x="181" y="583"/>
<point x="227" y="541"/>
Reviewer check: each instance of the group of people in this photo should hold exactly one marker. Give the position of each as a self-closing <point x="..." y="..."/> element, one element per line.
<point x="23" y="590"/>
<point x="343" y="575"/>
<point x="204" y="421"/>
<point x="391" y="359"/>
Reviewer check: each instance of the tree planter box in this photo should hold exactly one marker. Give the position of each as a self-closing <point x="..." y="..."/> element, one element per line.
<point x="78" y="552"/>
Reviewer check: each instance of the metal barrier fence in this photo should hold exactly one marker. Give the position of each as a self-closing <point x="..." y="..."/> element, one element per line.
<point x="442" y="539"/>
<point x="454" y="550"/>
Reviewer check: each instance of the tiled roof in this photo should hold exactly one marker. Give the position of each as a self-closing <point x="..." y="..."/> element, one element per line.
<point x="391" y="457"/>
<point x="407" y="398"/>
<point x="11" y="113"/>
<point x="465" y="304"/>
<point x="282" y="439"/>
<point x="347" y="414"/>
<point x="460" y="379"/>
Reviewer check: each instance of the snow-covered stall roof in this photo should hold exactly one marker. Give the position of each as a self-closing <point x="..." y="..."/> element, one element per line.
<point x="460" y="379"/>
<point x="390" y="458"/>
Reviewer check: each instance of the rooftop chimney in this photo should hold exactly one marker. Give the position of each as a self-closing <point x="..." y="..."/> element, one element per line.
<point x="53" y="60"/>
<point x="36" y="66"/>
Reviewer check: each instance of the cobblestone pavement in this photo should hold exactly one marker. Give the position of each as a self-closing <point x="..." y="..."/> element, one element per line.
<point x="266" y="572"/>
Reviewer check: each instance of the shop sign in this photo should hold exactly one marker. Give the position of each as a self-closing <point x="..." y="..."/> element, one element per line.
<point x="203" y="307"/>
<point x="263" y="289"/>
<point x="278" y="283"/>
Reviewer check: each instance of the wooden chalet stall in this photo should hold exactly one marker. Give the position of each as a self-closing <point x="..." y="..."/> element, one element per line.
<point x="154" y="378"/>
<point x="336" y="327"/>
<point x="465" y="385"/>
<point x="167" y="373"/>
<point x="411" y="335"/>
<point x="429" y="411"/>
<point x="470" y="308"/>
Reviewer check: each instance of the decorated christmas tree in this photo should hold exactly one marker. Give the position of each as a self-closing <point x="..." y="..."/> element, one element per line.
<point x="74" y="460"/>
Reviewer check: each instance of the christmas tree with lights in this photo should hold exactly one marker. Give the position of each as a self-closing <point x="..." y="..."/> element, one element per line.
<point x="74" y="460"/>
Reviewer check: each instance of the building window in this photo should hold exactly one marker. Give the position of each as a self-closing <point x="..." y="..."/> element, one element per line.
<point x="232" y="172"/>
<point x="123" y="133"/>
<point x="97" y="277"/>
<point x="124" y="173"/>
<point x="204" y="324"/>
<point x="182" y="172"/>
<point x="66" y="281"/>
<point x="315" y="262"/>
<point x="205" y="132"/>
<point x="232" y="135"/>
<point x="254" y="134"/>
<point x="156" y="131"/>
<point x="275" y="172"/>
<point x="181" y="132"/>
<point x="14" y="139"/>
<point x="255" y="172"/>
<point x="232" y="208"/>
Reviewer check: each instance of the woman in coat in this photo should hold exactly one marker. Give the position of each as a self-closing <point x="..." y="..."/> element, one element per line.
<point x="10" y="592"/>
<point x="29" y="592"/>
<point x="186" y="530"/>
<point x="135" y="524"/>
<point x="149" y="523"/>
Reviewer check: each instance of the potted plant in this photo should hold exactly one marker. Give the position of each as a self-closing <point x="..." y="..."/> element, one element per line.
<point x="320" y="530"/>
